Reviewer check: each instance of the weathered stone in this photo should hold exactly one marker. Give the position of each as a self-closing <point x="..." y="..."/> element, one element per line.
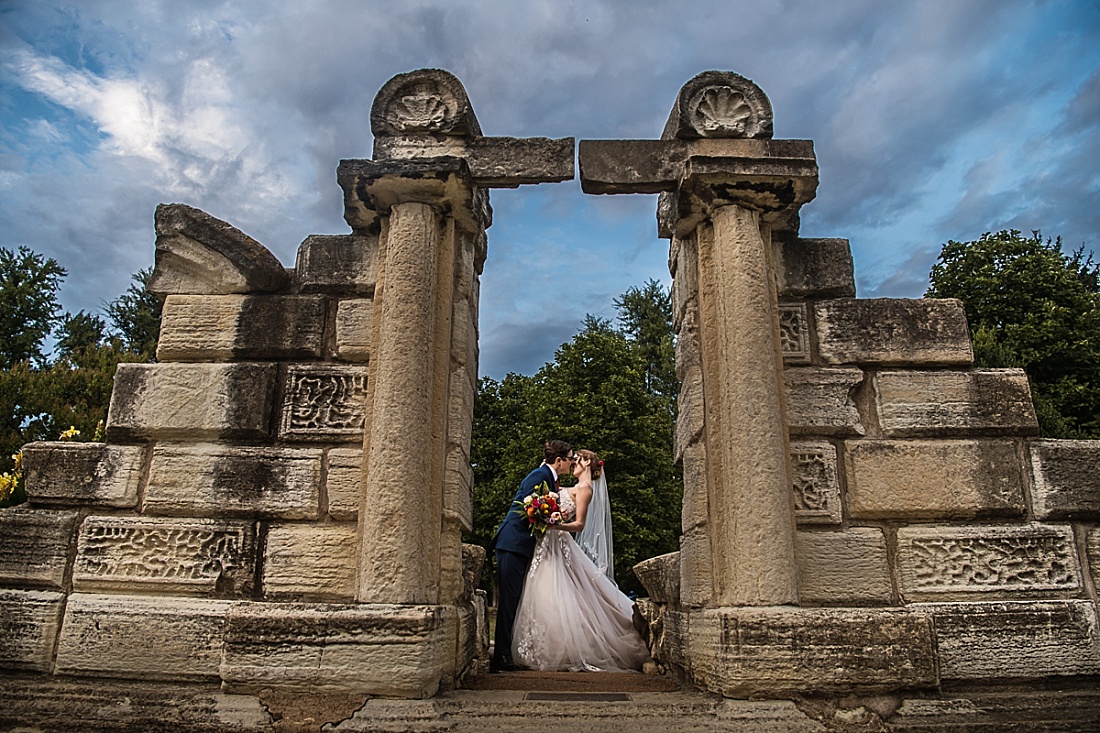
<point x="740" y="652"/>
<point x="1067" y="479"/>
<point x="177" y="556"/>
<point x="938" y="403"/>
<point x="1092" y="550"/>
<point x="655" y="166"/>
<point x="324" y="403"/>
<point x="51" y="704"/>
<point x="353" y="329"/>
<point x="815" y="485"/>
<point x="933" y="479"/>
<point x="696" y="569"/>
<point x="660" y="576"/>
<point x="1006" y="640"/>
<point x="228" y="327"/>
<point x="893" y="331"/>
<point x="83" y="473"/>
<point x="950" y="563"/>
<point x="719" y="104"/>
<point x="338" y="264"/>
<point x="821" y="402"/>
<point x="217" y="480"/>
<point x="815" y="268"/>
<point x="794" y="333"/>
<point x="34" y="546"/>
<point x="191" y="402"/>
<point x="387" y="650"/>
<point x="843" y="568"/>
<point x="458" y="487"/>
<point x="310" y="561"/>
<point x="141" y="637"/>
<point x="29" y="620"/>
<point x="199" y="254"/>
<point x="694" y="506"/>
<point x="690" y="402"/>
<point x="342" y="482"/>
<point x="495" y="162"/>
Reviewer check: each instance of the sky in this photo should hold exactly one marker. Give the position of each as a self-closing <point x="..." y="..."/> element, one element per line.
<point x="932" y="121"/>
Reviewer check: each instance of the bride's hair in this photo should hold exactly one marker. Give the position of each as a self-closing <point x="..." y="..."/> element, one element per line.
<point x="597" y="464"/>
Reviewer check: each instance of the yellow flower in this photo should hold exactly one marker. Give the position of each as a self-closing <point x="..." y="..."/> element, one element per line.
<point x="71" y="433"/>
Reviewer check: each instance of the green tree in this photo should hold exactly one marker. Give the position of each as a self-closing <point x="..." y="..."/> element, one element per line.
<point x="135" y="316"/>
<point x="28" y="305"/>
<point x="1031" y="305"/>
<point x="645" y="315"/>
<point x="41" y="397"/>
<point x="597" y="394"/>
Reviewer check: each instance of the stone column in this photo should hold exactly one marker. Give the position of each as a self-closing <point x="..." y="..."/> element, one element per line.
<point x="724" y="187"/>
<point x="751" y="517"/>
<point x="425" y="195"/>
<point x="399" y="550"/>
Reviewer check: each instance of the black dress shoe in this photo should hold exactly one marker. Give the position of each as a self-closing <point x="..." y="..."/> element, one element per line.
<point x="504" y="664"/>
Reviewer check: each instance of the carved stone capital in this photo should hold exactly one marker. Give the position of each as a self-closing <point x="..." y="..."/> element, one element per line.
<point x="372" y="188"/>
<point x="719" y="104"/>
<point x="426" y="102"/>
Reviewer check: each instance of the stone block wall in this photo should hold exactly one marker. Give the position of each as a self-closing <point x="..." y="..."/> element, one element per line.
<point x="918" y="482"/>
<point x="223" y="508"/>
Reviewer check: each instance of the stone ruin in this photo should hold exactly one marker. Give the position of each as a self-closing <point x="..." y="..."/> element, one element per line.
<point x="863" y="509"/>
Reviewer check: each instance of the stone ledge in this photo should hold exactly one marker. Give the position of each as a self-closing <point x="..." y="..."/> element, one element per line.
<point x="740" y="652"/>
<point x="29" y="621"/>
<point x="893" y="331"/>
<point x="83" y="473"/>
<point x="386" y="650"/>
<point x="933" y="479"/>
<point x="233" y="327"/>
<point x="945" y="403"/>
<point x="1005" y="640"/>
<point x="1067" y="479"/>
<point x="191" y="402"/>
<point x="141" y="637"/>
<point x="34" y="546"/>
<point x="215" y="480"/>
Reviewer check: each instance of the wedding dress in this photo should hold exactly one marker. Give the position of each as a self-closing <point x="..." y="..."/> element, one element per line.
<point x="571" y="615"/>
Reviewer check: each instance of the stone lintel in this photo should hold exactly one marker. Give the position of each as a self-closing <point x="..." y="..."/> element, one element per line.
<point x="495" y="162"/>
<point x="653" y="166"/>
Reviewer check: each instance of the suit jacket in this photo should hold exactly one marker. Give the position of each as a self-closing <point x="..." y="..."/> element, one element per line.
<point x="514" y="533"/>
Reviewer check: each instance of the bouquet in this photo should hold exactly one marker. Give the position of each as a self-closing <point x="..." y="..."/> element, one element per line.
<point x="540" y="508"/>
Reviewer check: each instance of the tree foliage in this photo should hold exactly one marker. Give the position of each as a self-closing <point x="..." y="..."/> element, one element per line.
<point x="43" y="395"/>
<point x="28" y="305"/>
<point x="1031" y="305"/>
<point x="603" y="392"/>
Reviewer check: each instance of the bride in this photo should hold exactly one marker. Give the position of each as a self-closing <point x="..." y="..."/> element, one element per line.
<point x="572" y="616"/>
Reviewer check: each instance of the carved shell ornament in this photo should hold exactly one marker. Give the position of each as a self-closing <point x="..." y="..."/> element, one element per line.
<point x="722" y="110"/>
<point x="420" y="111"/>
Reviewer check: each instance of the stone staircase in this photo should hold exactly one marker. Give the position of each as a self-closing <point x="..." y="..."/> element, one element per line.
<point x="528" y="702"/>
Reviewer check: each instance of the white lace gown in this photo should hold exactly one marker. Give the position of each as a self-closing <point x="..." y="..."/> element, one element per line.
<point x="571" y="615"/>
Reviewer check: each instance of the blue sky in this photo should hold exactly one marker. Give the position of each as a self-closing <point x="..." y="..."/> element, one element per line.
<point x="931" y="120"/>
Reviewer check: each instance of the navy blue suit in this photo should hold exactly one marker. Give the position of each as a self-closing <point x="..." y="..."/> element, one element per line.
<point x="514" y="545"/>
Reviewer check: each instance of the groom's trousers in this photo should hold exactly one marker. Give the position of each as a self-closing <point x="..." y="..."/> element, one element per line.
<point x="511" y="569"/>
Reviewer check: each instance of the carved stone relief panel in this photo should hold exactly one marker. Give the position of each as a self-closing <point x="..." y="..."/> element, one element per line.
<point x="182" y="556"/>
<point x="794" y="338"/>
<point x="943" y="562"/>
<point x="814" y="483"/>
<point x="324" y="403"/>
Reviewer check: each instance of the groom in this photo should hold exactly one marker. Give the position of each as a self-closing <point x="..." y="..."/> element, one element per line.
<point x="514" y="545"/>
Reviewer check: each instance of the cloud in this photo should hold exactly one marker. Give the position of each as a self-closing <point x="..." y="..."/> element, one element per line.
<point x="931" y="121"/>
